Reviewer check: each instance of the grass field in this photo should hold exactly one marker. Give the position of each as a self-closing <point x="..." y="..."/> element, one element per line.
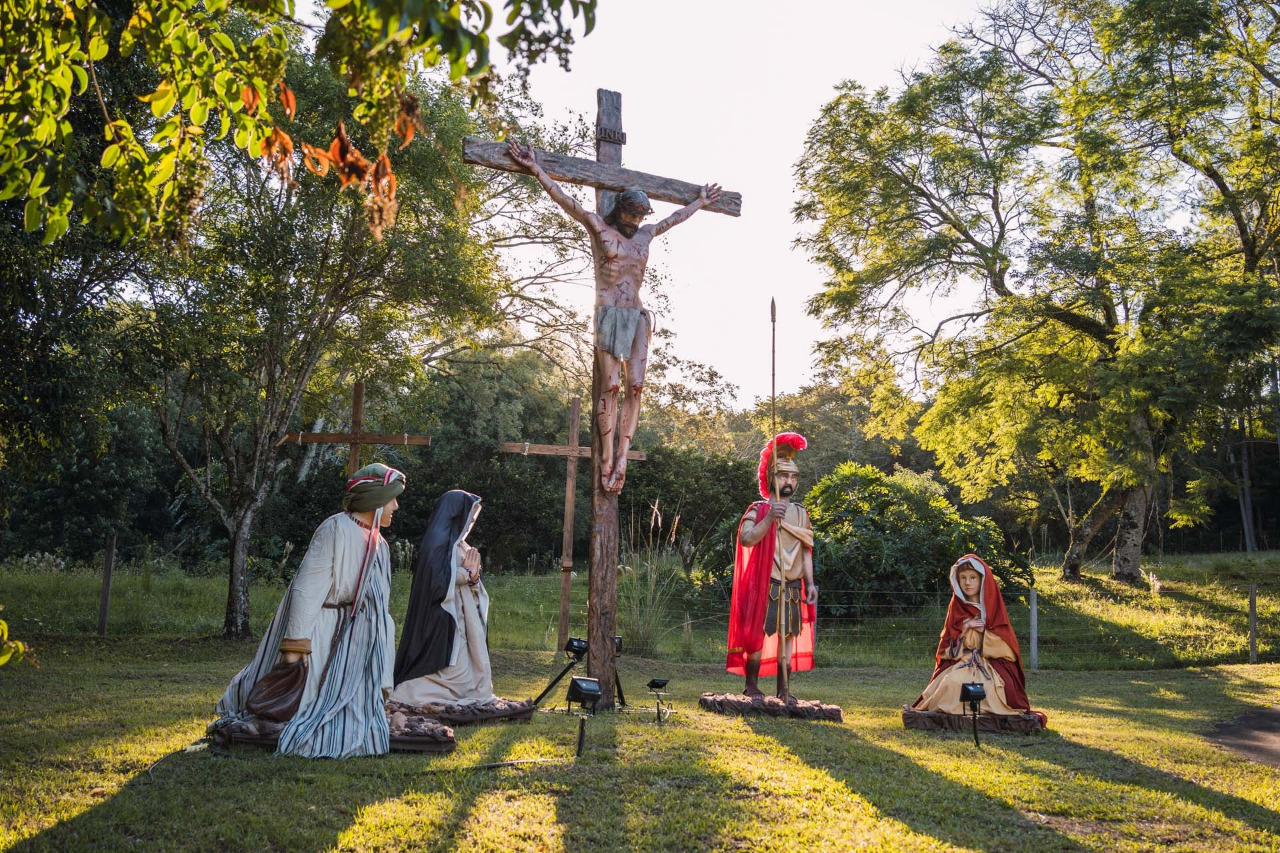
<point x="100" y="746"/>
<point x="1199" y="616"/>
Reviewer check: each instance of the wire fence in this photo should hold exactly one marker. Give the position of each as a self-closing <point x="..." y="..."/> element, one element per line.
<point x="1149" y="632"/>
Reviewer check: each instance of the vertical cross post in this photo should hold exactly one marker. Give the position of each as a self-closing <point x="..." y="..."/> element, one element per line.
<point x="566" y="545"/>
<point x="603" y="586"/>
<point x="357" y="426"/>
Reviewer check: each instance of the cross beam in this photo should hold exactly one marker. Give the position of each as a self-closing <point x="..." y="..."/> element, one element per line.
<point x="357" y="437"/>
<point x="602" y="176"/>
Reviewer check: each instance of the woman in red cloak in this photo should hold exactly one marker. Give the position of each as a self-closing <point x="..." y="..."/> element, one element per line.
<point x="977" y="645"/>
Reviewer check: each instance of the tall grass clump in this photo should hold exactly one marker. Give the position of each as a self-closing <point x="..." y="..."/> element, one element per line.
<point x="647" y="586"/>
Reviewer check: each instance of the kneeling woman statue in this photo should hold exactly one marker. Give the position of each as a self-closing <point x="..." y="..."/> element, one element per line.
<point x="443" y="658"/>
<point x="977" y="645"/>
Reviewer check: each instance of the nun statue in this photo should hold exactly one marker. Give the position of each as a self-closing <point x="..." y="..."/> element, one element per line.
<point x="443" y="658"/>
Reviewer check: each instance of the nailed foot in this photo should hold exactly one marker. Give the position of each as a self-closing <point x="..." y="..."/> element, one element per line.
<point x="612" y="482"/>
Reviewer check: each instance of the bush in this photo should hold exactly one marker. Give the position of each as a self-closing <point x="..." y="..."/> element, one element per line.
<point x="888" y="541"/>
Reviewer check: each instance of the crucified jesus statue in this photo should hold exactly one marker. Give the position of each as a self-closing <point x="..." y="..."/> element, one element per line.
<point x="623" y="328"/>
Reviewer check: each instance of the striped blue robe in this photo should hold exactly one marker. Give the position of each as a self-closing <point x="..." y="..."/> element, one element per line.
<point x="347" y="715"/>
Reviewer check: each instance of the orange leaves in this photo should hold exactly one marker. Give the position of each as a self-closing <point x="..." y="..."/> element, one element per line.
<point x="288" y="101"/>
<point x="345" y="159"/>
<point x="404" y="129"/>
<point x="376" y="179"/>
<point x="384" y="180"/>
<point x="277" y="148"/>
<point x="249" y="97"/>
<point x="409" y="119"/>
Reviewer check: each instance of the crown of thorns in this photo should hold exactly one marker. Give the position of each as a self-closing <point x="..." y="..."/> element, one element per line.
<point x="634" y="202"/>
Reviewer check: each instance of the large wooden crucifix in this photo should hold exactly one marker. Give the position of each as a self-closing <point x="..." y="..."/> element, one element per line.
<point x="357" y="437"/>
<point x="620" y="249"/>
<point x="574" y="452"/>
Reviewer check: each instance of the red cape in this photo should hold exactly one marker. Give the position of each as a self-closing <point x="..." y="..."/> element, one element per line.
<point x="751" y="570"/>
<point x="1015" y="681"/>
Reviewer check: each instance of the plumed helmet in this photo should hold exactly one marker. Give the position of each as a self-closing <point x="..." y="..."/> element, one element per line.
<point x="787" y="444"/>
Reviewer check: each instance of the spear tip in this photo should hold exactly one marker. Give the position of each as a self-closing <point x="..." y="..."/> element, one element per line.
<point x="773" y="310"/>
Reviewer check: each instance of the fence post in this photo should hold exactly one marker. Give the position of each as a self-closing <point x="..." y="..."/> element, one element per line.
<point x="105" y="602"/>
<point x="1253" y="623"/>
<point x="1035" y="632"/>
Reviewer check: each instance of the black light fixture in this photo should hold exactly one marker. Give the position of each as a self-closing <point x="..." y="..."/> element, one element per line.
<point x="973" y="693"/>
<point x="576" y="647"/>
<point x="661" y="709"/>
<point x="586" y="692"/>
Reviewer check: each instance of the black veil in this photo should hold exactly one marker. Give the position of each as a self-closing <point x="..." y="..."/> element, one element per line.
<point x="426" y="644"/>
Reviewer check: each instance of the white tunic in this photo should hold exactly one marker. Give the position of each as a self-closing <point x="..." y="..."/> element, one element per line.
<point x="327" y="576"/>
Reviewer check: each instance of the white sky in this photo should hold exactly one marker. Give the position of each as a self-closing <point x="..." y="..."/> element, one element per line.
<point x="719" y="91"/>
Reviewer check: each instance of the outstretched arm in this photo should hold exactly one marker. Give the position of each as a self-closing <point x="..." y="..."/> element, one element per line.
<point x="526" y="157"/>
<point x="710" y="194"/>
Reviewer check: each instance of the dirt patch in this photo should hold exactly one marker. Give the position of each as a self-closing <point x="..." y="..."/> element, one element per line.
<point x="1255" y="735"/>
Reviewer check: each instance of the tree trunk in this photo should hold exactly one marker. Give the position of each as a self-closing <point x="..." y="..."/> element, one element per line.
<point x="236" y="626"/>
<point x="602" y="594"/>
<point x="1082" y="533"/>
<point x="1246" y="492"/>
<point x="1126" y="562"/>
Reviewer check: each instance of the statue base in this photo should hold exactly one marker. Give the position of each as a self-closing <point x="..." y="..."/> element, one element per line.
<point x="993" y="723"/>
<point x="497" y="710"/>
<point x="738" y="705"/>
<point x="409" y="733"/>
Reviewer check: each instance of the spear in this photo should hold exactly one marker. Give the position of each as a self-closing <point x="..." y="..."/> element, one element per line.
<point x="784" y="667"/>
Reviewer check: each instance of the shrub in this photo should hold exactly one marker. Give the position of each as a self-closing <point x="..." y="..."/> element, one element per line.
<point x="888" y="541"/>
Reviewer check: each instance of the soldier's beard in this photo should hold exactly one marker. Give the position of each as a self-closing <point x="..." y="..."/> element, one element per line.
<point x="786" y="491"/>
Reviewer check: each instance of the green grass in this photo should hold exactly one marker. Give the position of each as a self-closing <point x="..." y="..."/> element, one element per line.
<point x="1198" y="618"/>
<point x="1126" y="767"/>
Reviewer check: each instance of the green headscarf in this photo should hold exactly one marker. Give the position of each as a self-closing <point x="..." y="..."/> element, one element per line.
<point x="371" y="487"/>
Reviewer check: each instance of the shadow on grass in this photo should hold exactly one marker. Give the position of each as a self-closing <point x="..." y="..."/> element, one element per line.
<point x="251" y="800"/>
<point x="915" y="796"/>
<point x="641" y="786"/>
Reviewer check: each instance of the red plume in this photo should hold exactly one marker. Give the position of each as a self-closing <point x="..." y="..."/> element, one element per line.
<point x="790" y="439"/>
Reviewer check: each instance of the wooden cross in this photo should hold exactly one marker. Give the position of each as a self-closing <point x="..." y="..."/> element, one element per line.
<point x="357" y="437"/>
<point x="607" y="176"/>
<point x="574" y="451"/>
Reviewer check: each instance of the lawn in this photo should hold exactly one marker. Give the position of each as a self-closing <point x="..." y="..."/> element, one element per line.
<point x="100" y="748"/>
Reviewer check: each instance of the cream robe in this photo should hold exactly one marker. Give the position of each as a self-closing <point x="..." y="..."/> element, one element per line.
<point x="468" y="679"/>
<point x="943" y="693"/>
<point x="328" y="575"/>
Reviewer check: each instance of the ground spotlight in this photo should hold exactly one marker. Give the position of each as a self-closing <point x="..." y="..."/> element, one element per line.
<point x="973" y="693"/>
<point x="661" y="708"/>
<point x="575" y="647"/>
<point x="584" y="691"/>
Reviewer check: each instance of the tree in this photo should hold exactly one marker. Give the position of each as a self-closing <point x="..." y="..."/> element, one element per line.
<point x="217" y="66"/>
<point x="282" y="286"/>
<point x="1013" y="165"/>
